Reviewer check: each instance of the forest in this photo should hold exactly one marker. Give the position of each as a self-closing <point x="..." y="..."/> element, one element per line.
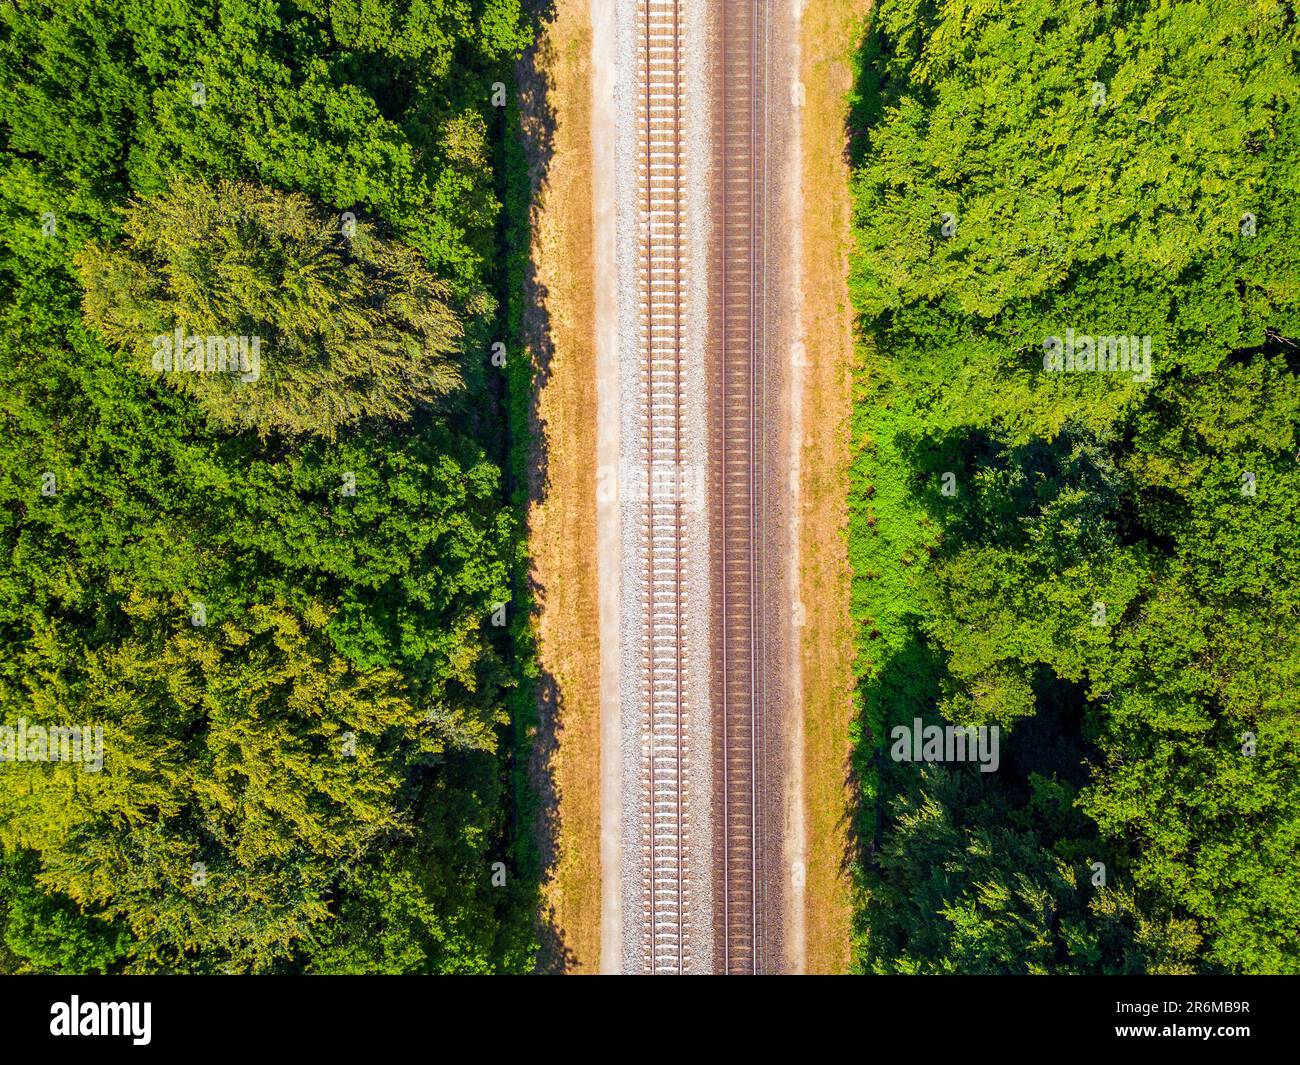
<point x="1076" y="483"/>
<point x="261" y="515"/>
<point x="264" y="443"/>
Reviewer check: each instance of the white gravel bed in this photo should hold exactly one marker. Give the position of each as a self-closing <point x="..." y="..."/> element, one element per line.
<point x="632" y="636"/>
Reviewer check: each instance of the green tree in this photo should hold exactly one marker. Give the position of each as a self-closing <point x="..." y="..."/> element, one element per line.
<point x="342" y="325"/>
<point x="159" y="498"/>
<point x="1028" y="542"/>
<point x="48" y="932"/>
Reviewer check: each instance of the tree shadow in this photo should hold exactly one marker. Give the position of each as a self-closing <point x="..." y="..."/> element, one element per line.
<point x="875" y="90"/>
<point x="904" y="686"/>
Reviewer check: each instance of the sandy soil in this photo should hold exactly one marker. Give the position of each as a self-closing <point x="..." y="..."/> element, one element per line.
<point x="830" y="32"/>
<point x="559" y="331"/>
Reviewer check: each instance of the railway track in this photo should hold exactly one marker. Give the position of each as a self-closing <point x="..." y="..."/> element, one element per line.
<point x="741" y="748"/>
<point x="736" y="356"/>
<point x="665" y="761"/>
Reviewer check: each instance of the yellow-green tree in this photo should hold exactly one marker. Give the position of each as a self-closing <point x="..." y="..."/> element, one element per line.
<point x="244" y="763"/>
<point x="274" y="313"/>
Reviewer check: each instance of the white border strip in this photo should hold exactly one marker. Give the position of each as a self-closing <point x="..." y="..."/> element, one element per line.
<point x="604" y="122"/>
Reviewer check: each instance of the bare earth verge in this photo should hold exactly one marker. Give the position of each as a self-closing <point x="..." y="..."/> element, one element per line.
<point x="559" y="326"/>
<point x="830" y="32"/>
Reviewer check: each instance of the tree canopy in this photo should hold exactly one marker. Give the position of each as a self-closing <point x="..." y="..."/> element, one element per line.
<point x="275" y="314"/>
<point x="275" y="596"/>
<point x="1103" y="566"/>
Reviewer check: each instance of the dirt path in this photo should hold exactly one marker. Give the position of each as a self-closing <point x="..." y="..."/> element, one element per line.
<point x="830" y="32"/>
<point x="563" y="537"/>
